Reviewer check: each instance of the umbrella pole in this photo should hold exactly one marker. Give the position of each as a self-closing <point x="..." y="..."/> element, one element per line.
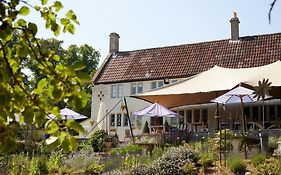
<point x="129" y="120"/>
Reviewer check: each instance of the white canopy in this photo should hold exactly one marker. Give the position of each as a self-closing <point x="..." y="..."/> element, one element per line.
<point x="68" y="114"/>
<point x="212" y="83"/>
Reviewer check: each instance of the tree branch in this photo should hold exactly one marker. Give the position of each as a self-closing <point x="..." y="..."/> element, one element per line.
<point x="270" y="10"/>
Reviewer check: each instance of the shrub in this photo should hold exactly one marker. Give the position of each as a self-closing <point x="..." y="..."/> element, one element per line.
<point x="272" y="143"/>
<point x="130" y="148"/>
<point x="18" y="164"/>
<point x="257" y="159"/>
<point x="143" y="170"/>
<point x="96" y="140"/>
<point x="236" y="164"/>
<point x="269" y="167"/>
<point x="82" y="162"/>
<point x="206" y="160"/>
<point x="173" y="161"/>
<point x="55" y="162"/>
<point x="190" y="168"/>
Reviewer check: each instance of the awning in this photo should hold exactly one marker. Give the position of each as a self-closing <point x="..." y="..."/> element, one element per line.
<point x="210" y="84"/>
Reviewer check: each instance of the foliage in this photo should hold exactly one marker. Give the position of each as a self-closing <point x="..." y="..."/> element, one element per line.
<point x="97" y="139"/>
<point x="269" y="167"/>
<point x="190" y="168"/>
<point x="145" y="128"/>
<point x="82" y="163"/>
<point x="18" y="164"/>
<point x="143" y="170"/>
<point x="220" y="142"/>
<point x="34" y="166"/>
<point x="129" y="149"/>
<point x="258" y="159"/>
<point x="55" y="162"/>
<point x="272" y="143"/>
<point x="262" y="89"/>
<point x="206" y="160"/>
<point x="59" y="82"/>
<point x="173" y="161"/>
<point x="236" y="163"/>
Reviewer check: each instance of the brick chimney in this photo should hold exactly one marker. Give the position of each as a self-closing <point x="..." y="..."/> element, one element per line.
<point x="113" y="42"/>
<point x="234" y="27"/>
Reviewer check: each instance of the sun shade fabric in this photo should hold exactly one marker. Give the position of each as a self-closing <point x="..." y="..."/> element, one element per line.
<point x="68" y="114"/>
<point x="101" y="120"/>
<point x="210" y="84"/>
<point x="234" y="95"/>
<point x="155" y="110"/>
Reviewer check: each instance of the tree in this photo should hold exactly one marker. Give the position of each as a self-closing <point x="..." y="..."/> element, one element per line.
<point x="260" y="92"/>
<point x="58" y="82"/>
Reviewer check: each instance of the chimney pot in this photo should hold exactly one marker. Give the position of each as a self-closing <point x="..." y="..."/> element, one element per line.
<point x="113" y="42"/>
<point x="234" y="27"/>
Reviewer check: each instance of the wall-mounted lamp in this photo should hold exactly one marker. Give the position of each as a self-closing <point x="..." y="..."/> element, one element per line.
<point x="166" y="81"/>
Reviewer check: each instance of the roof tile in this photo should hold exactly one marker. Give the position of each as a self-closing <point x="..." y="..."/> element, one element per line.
<point x="189" y="59"/>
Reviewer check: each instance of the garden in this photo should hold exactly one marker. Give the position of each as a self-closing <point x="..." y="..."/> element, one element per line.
<point x="104" y="154"/>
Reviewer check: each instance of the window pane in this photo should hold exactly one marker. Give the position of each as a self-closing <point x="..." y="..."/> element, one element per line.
<point x="189" y="116"/>
<point x="125" y="120"/>
<point x="205" y="115"/>
<point x="112" y="120"/>
<point x="133" y="89"/>
<point x="279" y="113"/>
<point x="160" y="83"/>
<point x="118" y="119"/>
<point x="140" y="87"/>
<point x="272" y="113"/>
<point x="113" y="91"/>
<point x="120" y="90"/>
<point x="153" y="85"/>
<point x="196" y="115"/>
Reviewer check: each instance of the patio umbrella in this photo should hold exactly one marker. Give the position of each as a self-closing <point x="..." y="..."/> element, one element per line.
<point x="101" y="120"/>
<point x="68" y="114"/>
<point x="238" y="95"/>
<point x="155" y="110"/>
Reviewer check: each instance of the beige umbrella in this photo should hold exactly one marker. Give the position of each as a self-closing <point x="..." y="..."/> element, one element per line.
<point x="101" y="119"/>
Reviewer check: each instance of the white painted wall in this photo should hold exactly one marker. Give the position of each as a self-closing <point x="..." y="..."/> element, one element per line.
<point x="133" y="105"/>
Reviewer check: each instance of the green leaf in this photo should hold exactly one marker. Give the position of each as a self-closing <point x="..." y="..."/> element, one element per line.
<point x="44" y="2"/>
<point x="21" y="22"/>
<point x="51" y="140"/>
<point x="28" y="115"/>
<point x="73" y="143"/>
<point x="72" y="124"/>
<point x="64" y="21"/>
<point x="22" y="51"/>
<point x="24" y="11"/>
<point x="70" y="28"/>
<point x="78" y="65"/>
<point x="58" y="5"/>
<point x="51" y="127"/>
<point x="56" y="57"/>
<point x="41" y="85"/>
<point x="32" y="27"/>
<point x="84" y="77"/>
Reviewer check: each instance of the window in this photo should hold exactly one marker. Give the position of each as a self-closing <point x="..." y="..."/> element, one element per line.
<point x="157" y="84"/>
<point x="117" y="91"/>
<point x="272" y="113"/>
<point x="113" y="91"/>
<point x="112" y="120"/>
<point x="160" y="83"/>
<point x="196" y="115"/>
<point x="174" y="81"/>
<point x="140" y="87"/>
<point x="119" y="118"/>
<point x="120" y="90"/>
<point x="255" y="113"/>
<point x="136" y="88"/>
<point x="205" y="116"/>
<point x="125" y="120"/>
<point x="174" y="120"/>
<point x="189" y="116"/>
<point x="279" y="113"/>
<point x="153" y="85"/>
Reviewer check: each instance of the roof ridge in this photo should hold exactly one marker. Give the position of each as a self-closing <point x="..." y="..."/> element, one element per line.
<point x="203" y="42"/>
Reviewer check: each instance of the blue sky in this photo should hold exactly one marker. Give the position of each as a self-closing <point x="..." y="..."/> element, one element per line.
<point x="156" y="23"/>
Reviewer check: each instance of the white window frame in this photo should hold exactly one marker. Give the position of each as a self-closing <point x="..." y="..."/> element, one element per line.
<point x="136" y="88"/>
<point x="117" y="91"/>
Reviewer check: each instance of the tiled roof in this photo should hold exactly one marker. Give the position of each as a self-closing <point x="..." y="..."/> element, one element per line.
<point x="189" y="59"/>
